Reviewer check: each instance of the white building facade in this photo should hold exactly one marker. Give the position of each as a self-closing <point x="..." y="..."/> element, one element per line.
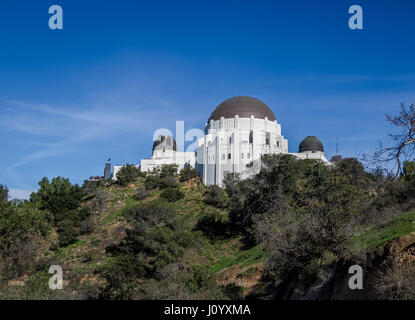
<point x="165" y="152"/>
<point x="239" y="131"/>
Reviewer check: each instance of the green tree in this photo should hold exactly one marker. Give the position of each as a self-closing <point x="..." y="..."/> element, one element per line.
<point x="21" y="225"/>
<point x="58" y="197"/>
<point x="188" y="173"/>
<point x="215" y="196"/>
<point x="172" y="194"/>
<point x="4" y="193"/>
<point x="127" y="174"/>
<point x="409" y="170"/>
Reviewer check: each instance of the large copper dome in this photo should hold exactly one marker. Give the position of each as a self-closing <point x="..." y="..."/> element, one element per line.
<point x="244" y="107"/>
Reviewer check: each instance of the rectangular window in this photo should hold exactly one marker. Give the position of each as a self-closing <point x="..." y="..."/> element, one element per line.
<point x="248" y="155"/>
<point x="229" y="155"/>
<point x="230" y="140"/>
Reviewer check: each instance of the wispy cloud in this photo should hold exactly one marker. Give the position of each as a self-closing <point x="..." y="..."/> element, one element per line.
<point x="66" y="130"/>
<point x="20" y="193"/>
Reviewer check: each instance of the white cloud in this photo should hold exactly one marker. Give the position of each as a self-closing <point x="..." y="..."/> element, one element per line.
<point x="20" y="193"/>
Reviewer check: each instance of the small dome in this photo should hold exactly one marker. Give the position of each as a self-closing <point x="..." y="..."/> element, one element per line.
<point x="165" y="143"/>
<point x="244" y="107"/>
<point x="311" y="143"/>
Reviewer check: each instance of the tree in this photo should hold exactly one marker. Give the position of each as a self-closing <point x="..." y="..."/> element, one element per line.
<point x="172" y="194"/>
<point x="188" y="173"/>
<point x="4" y="193"/>
<point x="58" y="196"/>
<point x="215" y="196"/>
<point x="409" y="169"/>
<point x="404" y="146"/>
<point x="20" y="226"/>
<point x="127" y="174"/>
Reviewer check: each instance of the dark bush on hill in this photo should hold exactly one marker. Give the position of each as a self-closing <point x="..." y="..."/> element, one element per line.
<point x="188" y="173"/>
<point x="215" y="196"/>
<point x="127" y="174"/>
<point x="172" y="194"/>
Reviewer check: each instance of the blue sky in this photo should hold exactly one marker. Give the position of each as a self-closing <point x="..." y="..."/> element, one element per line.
<point x="99" y="88"/>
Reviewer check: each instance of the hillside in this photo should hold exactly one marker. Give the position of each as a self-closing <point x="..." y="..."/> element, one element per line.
<point x="231" y="259"/>
<point x="147" y="239"/>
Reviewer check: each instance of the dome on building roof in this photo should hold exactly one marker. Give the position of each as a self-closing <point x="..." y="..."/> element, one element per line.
<point x="244" y="107"/>
<point x="165" y="143"/>
<point x="311" y="143"/>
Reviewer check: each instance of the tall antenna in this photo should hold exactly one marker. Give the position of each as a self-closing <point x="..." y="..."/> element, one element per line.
<point x="337" y="145"/>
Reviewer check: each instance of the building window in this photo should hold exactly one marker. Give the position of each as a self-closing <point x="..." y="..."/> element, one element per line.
<point x="267" y="138"/>
<point x="248" y="155"/>
<point x="230" y="140"/>
<point x="229" y="156"/>
<point x="278" y="144"/>
<point x="251" y="137"/>
<point x="242" y="155"/>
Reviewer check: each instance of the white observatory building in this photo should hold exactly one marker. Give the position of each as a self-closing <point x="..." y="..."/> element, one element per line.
<point x="238" y="132"/>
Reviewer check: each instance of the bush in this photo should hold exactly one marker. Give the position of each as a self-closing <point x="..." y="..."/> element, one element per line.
<point x="20" y="224"/>
<point x="146" y="215"/>
<point x="87" y="226"/>
<point x="67" y="233"/>
<point x="397" y="282"/>
<point x="202" y="277"/>
<point x="164" y="177"/>
<point x="188" y="173"/>
<point x="215" y="196"/>
<point x="141" y="193"/>
<point x="127" y="174"/>
<point x="212" y="225"/>
<point x="172" y="194"/>
<point x="99" y="200"/>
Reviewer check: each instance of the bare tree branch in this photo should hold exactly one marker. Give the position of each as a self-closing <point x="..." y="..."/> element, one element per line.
<point x="404" y="147"/>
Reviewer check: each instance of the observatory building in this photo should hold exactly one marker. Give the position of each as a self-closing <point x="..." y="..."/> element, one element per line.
<point x="165" y="152"/>
<point x="238" y="132"/>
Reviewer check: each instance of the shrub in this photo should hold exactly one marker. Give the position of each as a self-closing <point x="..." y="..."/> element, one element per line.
<point x="152" y="182"/>
<point x="141" y="193"/>
<point x="127" y="174"/>
<point x="20" y="224"/>
<point x="168" y="170"/>
<point x="188" y="173"/>
<point x="87" y="226"/>
<point x="397" y="282"/>
<point x="164" y="177"/>
<point x="172" y="194"/>
<point x="99" y="200"/>
<point x="67" y="233"/>
<point x="212" y="225"/>
<point x="146" y="215"/>
<point x="202" y="277"/>
<point x="215" y="196"/>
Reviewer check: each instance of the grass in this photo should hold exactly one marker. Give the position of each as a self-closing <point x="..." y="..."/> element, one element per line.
<point x="377" y="237"/>
<point x="243" y="258"/>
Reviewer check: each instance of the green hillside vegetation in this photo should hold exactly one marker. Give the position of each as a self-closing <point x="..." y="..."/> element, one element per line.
<point x="167" y="236"/>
